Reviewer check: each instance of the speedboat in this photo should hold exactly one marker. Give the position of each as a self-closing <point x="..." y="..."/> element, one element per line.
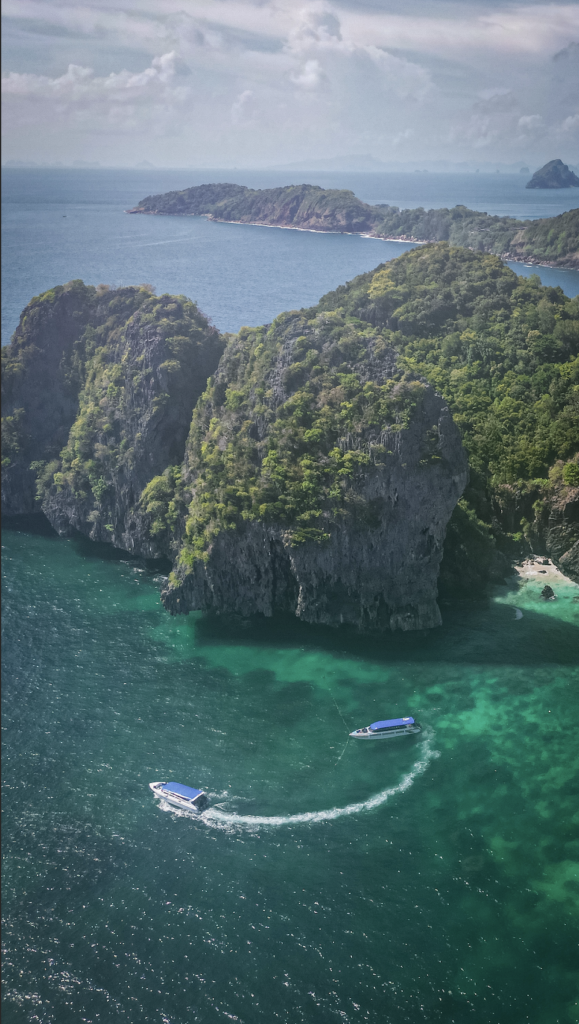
<point x="184" y="797"/>
<point x="390" y="727"/>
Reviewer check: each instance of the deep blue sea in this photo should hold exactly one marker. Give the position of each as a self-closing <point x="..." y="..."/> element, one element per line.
<point x="431" y="879"/>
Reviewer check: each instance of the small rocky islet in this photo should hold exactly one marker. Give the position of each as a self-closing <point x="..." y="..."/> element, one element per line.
<point x="554" y="174"/>
<point x="415" y="432"/>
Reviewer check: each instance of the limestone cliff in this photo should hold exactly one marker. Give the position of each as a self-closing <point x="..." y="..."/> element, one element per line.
<point x="42" y="374"/>
<point x="107" y="383"/>
<point x="562" y="534"/>
<point x="321" y="482"/>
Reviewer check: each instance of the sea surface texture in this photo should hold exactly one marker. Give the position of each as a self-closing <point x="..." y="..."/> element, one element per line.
<point x="431" y="878"/>
<point x="427" y="878"/>
<point x="63" y="224"/>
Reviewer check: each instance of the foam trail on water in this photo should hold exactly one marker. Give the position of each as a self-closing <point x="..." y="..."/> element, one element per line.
<point x="214" y="816"/>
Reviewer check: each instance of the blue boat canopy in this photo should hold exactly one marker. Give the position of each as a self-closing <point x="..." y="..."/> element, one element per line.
<point x="176" y="787"/>
<point x="390" y="723"/>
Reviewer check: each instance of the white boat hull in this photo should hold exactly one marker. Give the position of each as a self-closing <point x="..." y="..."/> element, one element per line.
<point x="180" y="802"/>
<point x="386" y="734"/>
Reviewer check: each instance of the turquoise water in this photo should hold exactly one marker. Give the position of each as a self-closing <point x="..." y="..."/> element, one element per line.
<point x="432" y="878"/>
<point x="63" y="224"/>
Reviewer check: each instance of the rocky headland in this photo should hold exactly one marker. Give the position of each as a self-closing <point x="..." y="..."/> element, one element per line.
<point x="318" y="465"/>
<point x="553" y="241"/>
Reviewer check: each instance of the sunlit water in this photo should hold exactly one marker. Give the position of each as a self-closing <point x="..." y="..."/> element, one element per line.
<point x="429" y="878"/>
<point x="64" y="224"/>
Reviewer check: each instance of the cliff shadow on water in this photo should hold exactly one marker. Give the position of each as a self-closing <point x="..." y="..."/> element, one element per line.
<point x="475" y="632"/>
<point x="316" y="465"/>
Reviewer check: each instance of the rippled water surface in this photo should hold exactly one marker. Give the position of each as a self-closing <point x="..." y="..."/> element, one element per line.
<point x="431" y="878"/>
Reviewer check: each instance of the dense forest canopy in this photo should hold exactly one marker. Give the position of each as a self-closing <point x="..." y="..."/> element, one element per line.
<point x="502" y="349"/>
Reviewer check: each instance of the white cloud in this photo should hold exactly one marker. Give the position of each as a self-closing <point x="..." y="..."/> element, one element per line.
<point x="317" y="26"/>
<point x="571" y="124"/>
<point x="530" y="122"/>
<point x="402" y="137"/>
<point x="530" y="126"/>
<point x="123" y="100"/>
<point x="543" y="28"/>
<point x="241" y="108"/>
<point x="309" y="75"/>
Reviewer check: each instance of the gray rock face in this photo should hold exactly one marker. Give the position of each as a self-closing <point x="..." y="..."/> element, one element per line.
<point x="40" y="386"/>
<point x="555" y="174"/>
<point x="373" y="577"/>
<point x="98" y="390"/>
<point x="561" y="533"/>
<point x="138" y="427"/>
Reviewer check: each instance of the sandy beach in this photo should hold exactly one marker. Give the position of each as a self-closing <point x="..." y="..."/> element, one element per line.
<point x="541" y="570"/>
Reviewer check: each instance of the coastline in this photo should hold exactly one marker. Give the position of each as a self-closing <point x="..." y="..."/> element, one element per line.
<point x="506" y="256"/>
<point x="542" y="570"/>
<point x="522" y="591"/>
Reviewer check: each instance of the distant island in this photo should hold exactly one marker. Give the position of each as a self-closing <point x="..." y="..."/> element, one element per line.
<point x="555" y="174"/>
<point x="553" y="241"/>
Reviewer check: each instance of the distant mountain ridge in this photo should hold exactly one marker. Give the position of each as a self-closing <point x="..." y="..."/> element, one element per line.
<point x="553" y="241"/>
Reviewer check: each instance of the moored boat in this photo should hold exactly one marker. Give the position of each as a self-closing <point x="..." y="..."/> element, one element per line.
<point x="184" y="797"/>
<point x="389" y="727"/>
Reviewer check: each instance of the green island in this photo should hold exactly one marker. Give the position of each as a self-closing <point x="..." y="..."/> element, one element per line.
<point x="553" y="241"/>
<point x="169" y="439"/>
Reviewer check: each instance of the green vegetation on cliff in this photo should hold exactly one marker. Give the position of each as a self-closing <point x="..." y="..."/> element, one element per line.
<point x="121" y="388"/>
<point x="58" y="332"/>
<point x="299" y="205"/>
<point x="458" y="226"/>
<point x="287" y="448"/>
<point x="555" y="239"/>
<point x="98" y="390"/>
<point x="504" y="352"/>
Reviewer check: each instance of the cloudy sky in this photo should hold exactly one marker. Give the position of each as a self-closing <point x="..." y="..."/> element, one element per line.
<point x="211" y="83"/>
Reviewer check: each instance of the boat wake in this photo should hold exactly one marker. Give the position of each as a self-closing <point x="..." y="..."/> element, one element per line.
<point x="224" y="819"/>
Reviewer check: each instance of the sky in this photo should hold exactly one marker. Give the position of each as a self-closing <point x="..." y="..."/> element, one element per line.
<point x="255" y="83"/>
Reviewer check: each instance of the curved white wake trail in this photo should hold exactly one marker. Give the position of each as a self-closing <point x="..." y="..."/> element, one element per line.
<point x="215" y="817"/>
